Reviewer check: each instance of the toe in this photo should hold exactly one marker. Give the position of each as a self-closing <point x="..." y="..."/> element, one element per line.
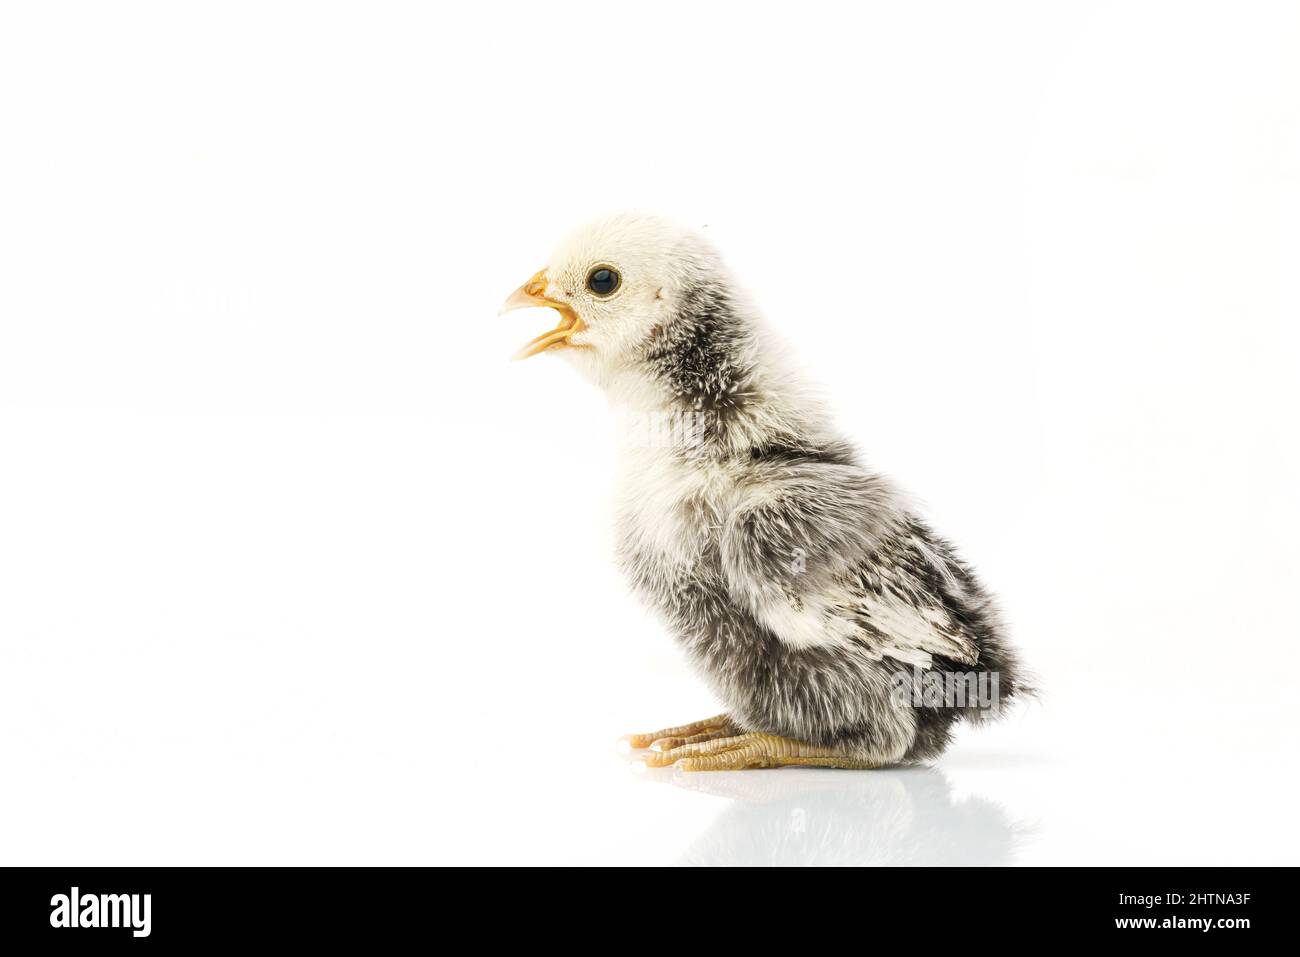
<point x="661" y="759"/>
<point x="736" y="760"/>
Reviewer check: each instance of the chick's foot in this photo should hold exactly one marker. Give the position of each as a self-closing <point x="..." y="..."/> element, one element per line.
<point x="719" y="726"/>
<point x="752" y="750"/>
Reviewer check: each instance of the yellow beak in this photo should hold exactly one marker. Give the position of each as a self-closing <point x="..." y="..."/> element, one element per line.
<point x="532" y="294"/>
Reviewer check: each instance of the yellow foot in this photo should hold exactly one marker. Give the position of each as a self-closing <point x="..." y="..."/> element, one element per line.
<point x="752" y="750"/>
<point x="719" y="726"/>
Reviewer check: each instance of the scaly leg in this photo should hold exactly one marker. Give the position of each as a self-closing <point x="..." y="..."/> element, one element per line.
<point x="719" y="726"/>
<point x="752" y="750"/>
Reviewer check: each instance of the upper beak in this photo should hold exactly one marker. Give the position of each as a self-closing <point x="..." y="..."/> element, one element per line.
<point x="531" y="294"/>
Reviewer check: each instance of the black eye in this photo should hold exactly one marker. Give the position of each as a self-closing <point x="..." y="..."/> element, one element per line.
<point x="603" y="280"/>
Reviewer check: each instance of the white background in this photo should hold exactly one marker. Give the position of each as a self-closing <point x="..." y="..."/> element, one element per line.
<point x="296" y="567"/>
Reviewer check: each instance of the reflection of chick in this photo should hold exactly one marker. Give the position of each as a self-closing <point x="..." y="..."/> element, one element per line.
<point x="903" y="817"/>
<point x="797" y="581"/>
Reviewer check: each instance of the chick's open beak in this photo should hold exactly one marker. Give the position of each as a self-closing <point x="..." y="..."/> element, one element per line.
<point x="532" y="294"/>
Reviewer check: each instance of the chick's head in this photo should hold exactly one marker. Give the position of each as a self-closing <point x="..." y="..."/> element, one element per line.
<point x="615" y="282"/>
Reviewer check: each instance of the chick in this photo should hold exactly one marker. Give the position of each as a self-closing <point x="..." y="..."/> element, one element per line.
<point x="835" y="626"/>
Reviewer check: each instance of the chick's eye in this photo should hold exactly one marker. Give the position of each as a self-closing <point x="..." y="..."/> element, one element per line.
<point x="603" y="280"/>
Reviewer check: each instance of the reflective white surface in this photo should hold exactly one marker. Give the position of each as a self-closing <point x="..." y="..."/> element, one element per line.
<point x="820" y="818"/>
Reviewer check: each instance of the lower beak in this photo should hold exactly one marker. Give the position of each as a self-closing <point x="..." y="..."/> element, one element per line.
<point x="532" y="294"/>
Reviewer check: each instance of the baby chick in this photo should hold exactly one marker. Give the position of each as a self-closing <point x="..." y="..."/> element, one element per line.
<point x="835" y="626"/>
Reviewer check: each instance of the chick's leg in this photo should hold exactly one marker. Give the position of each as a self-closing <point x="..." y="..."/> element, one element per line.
<point x="753" y="750"/>
<point x="719" y="726"/>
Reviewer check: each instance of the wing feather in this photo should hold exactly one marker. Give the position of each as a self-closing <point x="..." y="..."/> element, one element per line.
<point x="826" y="555"/>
